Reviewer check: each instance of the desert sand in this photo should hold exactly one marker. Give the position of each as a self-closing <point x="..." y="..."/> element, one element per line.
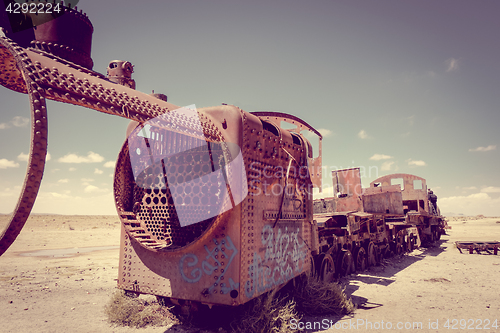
<point x="42" y="290"/>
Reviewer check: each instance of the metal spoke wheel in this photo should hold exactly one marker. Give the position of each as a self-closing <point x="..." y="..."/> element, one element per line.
<point x="327" y="272"/>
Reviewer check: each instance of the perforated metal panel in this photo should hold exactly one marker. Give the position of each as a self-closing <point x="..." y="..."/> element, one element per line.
<point x="171" y="176"/>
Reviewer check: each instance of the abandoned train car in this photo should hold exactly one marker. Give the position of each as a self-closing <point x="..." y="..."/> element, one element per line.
<point x="216" y="203"/>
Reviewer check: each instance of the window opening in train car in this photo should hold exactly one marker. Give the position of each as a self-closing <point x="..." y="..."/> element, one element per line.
<point x="398" y="181"/>
<point x="411" y="204"/>
<point x="337" y="221"/>
<point x="296" y="139"/>
<point x="270" y="128"/>
<point x="417" y="184"/>
<point x="287" y="126"/>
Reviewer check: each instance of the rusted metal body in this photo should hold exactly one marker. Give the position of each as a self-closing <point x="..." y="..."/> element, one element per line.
<point x="238" y="253"/>
<point x="395" y="214"/>
<point x="215" y="203"/>
<point x="478" y="246"/>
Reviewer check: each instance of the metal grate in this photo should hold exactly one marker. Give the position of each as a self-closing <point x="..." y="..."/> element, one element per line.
<point x="172" y="177"/>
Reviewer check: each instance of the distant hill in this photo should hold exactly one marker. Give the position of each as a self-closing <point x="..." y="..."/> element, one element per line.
<point x="452" y="214"/>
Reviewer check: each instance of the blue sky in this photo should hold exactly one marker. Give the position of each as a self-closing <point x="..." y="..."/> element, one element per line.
<point x="394" y="86"/>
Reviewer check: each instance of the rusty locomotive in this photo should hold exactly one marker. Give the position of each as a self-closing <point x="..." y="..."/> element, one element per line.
<point x="216" y="203"/>
<point x="359" y="226"/>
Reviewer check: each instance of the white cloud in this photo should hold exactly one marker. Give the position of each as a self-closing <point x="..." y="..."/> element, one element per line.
<point x="98" y="171"/>
<point x="4" y="164"/>
<point x="90" y="189"/>
<point x="94" y="189"/>
<point x="86" y="181"/>
<point x="416" y="163"/>
<point x="490" y="189"/>
<point x="327" y="192"/>
<point x="386" y="166"/>
<point x="474" y="204"/>
<point x="23" y="157"/>
<point x="58" y="195"/>
<point x="90" y="158"/>
<point x="325" y="132"/>
<point x="470" y="188"/>
<point x="17" y="121"/>
<point x="72" y="169"/>
<point x="378" y="157"/>
<point x="451" y="64"/>
<point x="363" y="135"/>
<point x="490" y="147"/>
<point x="62" y="181"/>
<point x="109" y="164"/>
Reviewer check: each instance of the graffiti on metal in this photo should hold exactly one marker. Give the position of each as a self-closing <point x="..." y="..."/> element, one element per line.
<point x="284" y="258"/>
<point x="213" y="264"/>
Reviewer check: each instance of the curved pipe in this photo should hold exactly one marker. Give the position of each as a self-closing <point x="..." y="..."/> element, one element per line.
<point x="38" y="147"/>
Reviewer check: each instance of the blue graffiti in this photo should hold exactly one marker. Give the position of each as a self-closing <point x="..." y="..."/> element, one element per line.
<point x="211" y="264"/>
<point x="195" y="273"/>
<point x="284" y="259"/>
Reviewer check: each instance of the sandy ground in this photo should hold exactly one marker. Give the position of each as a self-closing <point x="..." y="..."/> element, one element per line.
<point x="44" y="292"/>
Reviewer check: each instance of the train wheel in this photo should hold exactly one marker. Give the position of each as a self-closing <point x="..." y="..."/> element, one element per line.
<point x="399" y="249"/>
<point x="316" y="271"/>
<point x="391" y="250"/>
<point x="312" y="272"/>
<point x="345" y="263"/>
<point x="411" y="243"/>
<point x="327" y="272"/>
<point x="437" y="235"/>
<point x="372" y="255"/>
<point x="432" y="237"/>
<point x="360" y="259"/>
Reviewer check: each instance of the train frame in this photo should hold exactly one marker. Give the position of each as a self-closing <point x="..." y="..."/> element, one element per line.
<point x="216" y="204"/>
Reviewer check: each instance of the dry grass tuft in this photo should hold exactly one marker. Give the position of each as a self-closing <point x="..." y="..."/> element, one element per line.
<point x="123" y="310"/>
<point x="268" y="313"/>
<point x="314" y="297"/>
<point x="271" y="312"/>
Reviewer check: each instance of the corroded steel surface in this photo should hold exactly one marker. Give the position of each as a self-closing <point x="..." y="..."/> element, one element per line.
<point x="42" y="75"/>
<point x="20" y="80"/>
<point x="478" y="246"/>
<point x="409" y="189"/>
<point x="314" y="163"/>
<point x="236" y="254"/>
<point x="385" y="219"/>
<point x="215" y="203"/>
